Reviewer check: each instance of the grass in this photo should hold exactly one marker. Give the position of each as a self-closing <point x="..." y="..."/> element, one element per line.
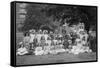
<point x="60" y="58"/>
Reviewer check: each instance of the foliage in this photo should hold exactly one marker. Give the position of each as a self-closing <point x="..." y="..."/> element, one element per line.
<point x="55" y="16"/>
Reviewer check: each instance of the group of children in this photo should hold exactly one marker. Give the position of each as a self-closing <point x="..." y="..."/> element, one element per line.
<point x="43" y="42"/>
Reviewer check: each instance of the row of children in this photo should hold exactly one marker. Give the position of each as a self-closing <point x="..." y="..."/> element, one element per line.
<point x="48" y="42"/>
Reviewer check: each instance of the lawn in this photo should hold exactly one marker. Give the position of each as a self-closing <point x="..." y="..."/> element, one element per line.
<point x="60" y="58"/>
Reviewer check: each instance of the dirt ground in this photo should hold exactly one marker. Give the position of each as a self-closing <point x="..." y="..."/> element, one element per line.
<point x="60" y="58"/>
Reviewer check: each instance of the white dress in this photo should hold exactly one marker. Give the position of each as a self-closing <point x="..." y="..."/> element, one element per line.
<point x="22" y="51"/>
<point x="38" y="51"/>
<point x="38" y="36"/>
<point x="32" y="37"/>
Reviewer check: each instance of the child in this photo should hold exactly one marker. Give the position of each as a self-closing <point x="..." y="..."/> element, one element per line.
<point x="22" y="50"/>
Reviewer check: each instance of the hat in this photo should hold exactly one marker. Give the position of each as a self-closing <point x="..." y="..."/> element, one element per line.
<point x="51" y="32"/>
<point x="20" y="43"/>
<point x="32" y="30"/>
<point x="45" y="31"/>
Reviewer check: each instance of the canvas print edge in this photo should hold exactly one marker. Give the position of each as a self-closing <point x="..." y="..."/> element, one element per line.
<point x="13" y="35"/>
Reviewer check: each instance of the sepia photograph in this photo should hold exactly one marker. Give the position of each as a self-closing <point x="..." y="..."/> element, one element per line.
<point x="48" y="33"/>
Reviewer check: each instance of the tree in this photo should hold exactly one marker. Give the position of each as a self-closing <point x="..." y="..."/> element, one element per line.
<point x="57" y="15"/>
<point x="73" y="14"/>
<point x="34" y="18"/>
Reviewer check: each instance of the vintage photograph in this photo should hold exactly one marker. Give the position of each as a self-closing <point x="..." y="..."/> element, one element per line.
<point x="55" y="33"/>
